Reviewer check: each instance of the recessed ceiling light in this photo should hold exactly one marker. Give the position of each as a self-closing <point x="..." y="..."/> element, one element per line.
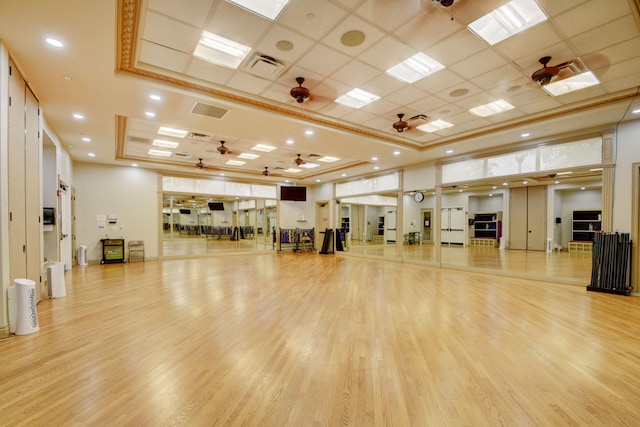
<point x="572" y="84"/>
<point x="155" y="97"/>
<point x="92" y="154"/>
<point x="434" y="126"/>
<point x="565" y="173"/>
<point x="524" y="135"/>
<point x="135" y="165"/>
<point x="396" y="153"/>
<point x="221" y="173"/>
<point x="159" y="153"/>
<point x="235" y="162"/>
<point x="86" y="139"/>
<point x="415" y="68"/>
<point x="286" y="180"/>
<point x="556" y="182"/>
<point x="328" y="159"/>
<point x="176" y="133"/>
<point x="165" y="144"/>
<point x="525" y="182"/>
<point x="460" y="191"/>
<point x="317" y="180"/>
<point x="343" y="174"/>
<point x="449" y="151"/>
<point x="308" y="132"/>
<point x="149" y="114"/>
<point x="490" y="194"/>
<point x="494" y="187"/>
<point x="269" y="9"/>
<point x="376" y="168"/>
<point x="78" y="116"/>
<point x="54" y="42"/>
<point x="290" y="141"/>
<point x="264" y="148"/>
<point x="374" y="158"/>
<point x="248" y="156"/>
<point x="505" y="184"/>
<point x="583" y="188"/>
<point x="492" y="108"/>
<point x="508" y="20"/>
<point x="221" y="51"/>
<point x="68" y="78"/>
<point x="357" y="98"/>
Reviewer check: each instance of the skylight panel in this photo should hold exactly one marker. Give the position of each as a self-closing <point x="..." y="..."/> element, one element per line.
<point x="263" y="147"/>
<point x="221" y="51"/>
<point x="357" y="98"/>
<point x="496" y="107"/>
<point x="176" y="133"/>
<point x="508" y="20"/>
<point x="434" y="126"/>
<point x="572" y="84"/>
<point x="415" y="68"/>
<point x="269" y="9"/>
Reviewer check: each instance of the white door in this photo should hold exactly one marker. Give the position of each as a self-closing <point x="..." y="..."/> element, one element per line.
<point x="390" y="234"/>
<point x="65" y="226"/>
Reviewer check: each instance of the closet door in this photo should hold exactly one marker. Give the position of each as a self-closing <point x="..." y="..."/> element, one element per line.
<point x="518" y="218"/>
<point x="537" y="218"/>
<point x="16" y="172"/>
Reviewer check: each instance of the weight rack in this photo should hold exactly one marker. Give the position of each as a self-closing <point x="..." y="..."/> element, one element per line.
<point x="611" y="264"/>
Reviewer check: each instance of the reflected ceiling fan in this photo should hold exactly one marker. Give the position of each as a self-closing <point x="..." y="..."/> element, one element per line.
<point x="544" y="75"/>
<point x="222" y="149"/>
<point x="402" y="125"/>
<point x="298" y="161"/>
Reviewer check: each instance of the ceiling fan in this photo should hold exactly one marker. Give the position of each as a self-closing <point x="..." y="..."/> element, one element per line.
<point x="402" y="125"/>
<point x="266" y="172"/>
<point x="222" y="149"/>
<point x="544" y="75"/>
<point x="202" y="165"/>
<point x="300" y="93"/>
<point x="298" y="161"/>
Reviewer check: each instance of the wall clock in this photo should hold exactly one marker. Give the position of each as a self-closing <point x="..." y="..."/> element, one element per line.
<point x="418" y="197"/>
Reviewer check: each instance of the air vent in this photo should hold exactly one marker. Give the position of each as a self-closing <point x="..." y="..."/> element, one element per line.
<point x="209" y="110"/>
<point x="140" y="140"/>
<point x="182" y="155"/>
<point x="202" y="137"/>
<point x="265" y="66"/>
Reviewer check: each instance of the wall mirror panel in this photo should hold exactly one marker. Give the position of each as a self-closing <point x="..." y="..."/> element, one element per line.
<point x="197" y="225"/>
<point x="419" y="209"/>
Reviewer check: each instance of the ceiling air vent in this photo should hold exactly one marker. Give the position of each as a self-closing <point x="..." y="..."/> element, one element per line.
<point x="209" y="110"/>
<point x="202" y="137"/>
<point x="265" y="66"/>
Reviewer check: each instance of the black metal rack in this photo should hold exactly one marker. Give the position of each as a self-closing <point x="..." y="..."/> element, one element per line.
<point x="112" y="250"/>
<point x="611" y="263"/>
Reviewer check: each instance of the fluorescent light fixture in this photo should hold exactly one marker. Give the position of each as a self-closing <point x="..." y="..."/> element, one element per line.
<point x="508" y="20"/>
<point x="292" y="170"/>
<point x="235" y="162"/>
<point x="159" y="153"/>
<point x="564" y="173"/>
<point x="415" y="68"/>
<point x="496" y="107"/>
<point x="328" y="159"/>
<point x="636" y="111"/>
<point x="269" y="9"/>
<point x="357" y="98"/>
<point x="221" y="51"/>
<point x="264" y="148"/>
<point x="165" y="144"/>
<point x="176" y="133"/>
<point x="572" y="84"/>
<point x="309" y="165"/>
<point x="150" y="114"/>
<point x="248" y="156"/>
<point x="434" y="126"/>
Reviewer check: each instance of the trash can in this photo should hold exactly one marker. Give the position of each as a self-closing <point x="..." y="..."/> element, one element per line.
<point x="24" y="306"/>
<point x="82" y="255"/>
<point x="55" y="276"/>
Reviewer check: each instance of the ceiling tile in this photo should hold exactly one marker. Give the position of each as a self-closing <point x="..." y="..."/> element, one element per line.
<point x="527" y="43"/>
<point x="231" y="22"/>
<point x="209" y="72"/>
<point x="406" y="95"/>
<point x="456" y="47"/>
<point x="353" y="23"/>
<point x="478" y="65"/>
<point x="389" y="15"/>
<point x="606" y="35"/>
<point x="268" y="44"/>
<point x="387" y="53"/>
<point x="247" y="83"/>
<point x="426" y="30"/>
<point x="171" y="33"/>
<point x="323" y="60"/>
<point x="195" y="14"/>
<point x="355" y="73"/>
<point x="160" y="56"/>
<point x="314" y="19"/>
<point x="381" y="107"/>
<point x="580" y="18"/>
<point x="358" y="116"/>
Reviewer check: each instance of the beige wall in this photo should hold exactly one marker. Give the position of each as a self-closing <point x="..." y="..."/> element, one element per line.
<point x="127" y="192"/>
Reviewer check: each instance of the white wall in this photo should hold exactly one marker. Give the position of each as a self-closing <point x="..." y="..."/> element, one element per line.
<point x="127" y="192"/>
<point x="574" y="200"/>
<point x="628" y="152"/>
<point x="421" y="177"/>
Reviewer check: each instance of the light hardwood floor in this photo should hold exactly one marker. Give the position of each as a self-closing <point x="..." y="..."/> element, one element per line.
<point x="308" y="339"/>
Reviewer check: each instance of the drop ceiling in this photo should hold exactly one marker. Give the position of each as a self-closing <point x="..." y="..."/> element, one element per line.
<point x="118" y="53"/>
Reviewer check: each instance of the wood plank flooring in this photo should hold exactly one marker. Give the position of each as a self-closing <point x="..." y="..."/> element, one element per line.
<point x="306" y="339"/>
